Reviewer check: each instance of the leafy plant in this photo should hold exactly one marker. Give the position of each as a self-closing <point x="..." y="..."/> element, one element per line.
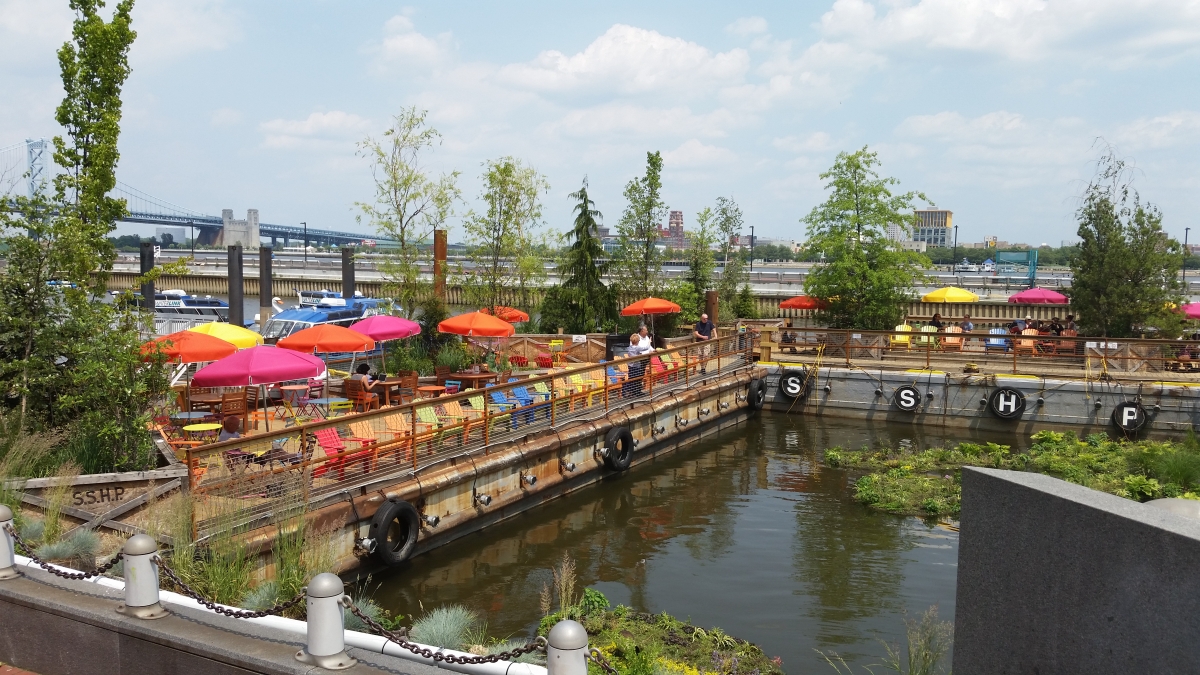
<point x="592" y="602"/>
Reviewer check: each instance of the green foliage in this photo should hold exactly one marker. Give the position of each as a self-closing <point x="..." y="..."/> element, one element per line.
<point x="581" y="303"/>
<point x="744" y="307"/>
<point x="929" y="641"/>
<point x="409" y="204"/>
<point x="691" y="306"/>
<point x="592" y="602"/>
<point x="638" y="262"/>
<point x="503" y="241"/>
<point x="445" y="627"/>
<point x="77" y="549"/>
<point x="701" y="262"/>
<point x="928" y="482"/>
<point x="1126" y="275"/>
<point x="865" y="278"/>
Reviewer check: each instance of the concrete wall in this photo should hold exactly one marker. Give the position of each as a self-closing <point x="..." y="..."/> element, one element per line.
<point x="956" y="400"/>
<point x="1057" y="578"/>
<point x="54" y="627"/>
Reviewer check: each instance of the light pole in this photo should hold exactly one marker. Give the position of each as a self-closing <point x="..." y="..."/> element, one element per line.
<point x="1186" y="254"/>
<point x="192" y="224"/>
<point x="305" y="224"/>
<point x="954" y="254"/>
<point x="751" y="248"/>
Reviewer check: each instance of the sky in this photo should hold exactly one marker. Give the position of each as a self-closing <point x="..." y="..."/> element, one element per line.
<point x="995" y="109"/>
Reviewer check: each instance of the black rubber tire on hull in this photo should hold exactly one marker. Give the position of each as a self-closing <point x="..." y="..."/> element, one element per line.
<point x="756" y="396"/>
<point x="619" y="442"/>
<point x="395" y="528"/>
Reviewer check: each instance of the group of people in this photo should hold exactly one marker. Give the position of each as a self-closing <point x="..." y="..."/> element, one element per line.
<point x="641" y="344"/>
<point x="1052" y="327"/>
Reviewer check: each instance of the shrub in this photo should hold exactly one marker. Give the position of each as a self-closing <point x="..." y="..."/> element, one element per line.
<point x="445" y="627"/>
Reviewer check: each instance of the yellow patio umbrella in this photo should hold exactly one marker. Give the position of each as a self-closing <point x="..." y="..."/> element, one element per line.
<point x="950" y="294"/>
<point x="242" y="338"/>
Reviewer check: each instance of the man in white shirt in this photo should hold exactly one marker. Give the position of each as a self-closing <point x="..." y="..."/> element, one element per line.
<point x="638" y="347"/>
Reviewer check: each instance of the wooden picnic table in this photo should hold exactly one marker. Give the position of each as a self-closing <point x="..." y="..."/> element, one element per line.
<point x="472" y="380"/>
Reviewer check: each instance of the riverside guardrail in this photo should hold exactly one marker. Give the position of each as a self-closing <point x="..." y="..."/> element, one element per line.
<point x="1015" y="353"/>
<point x="251" y="481"/>
<point x="325" y="634"/>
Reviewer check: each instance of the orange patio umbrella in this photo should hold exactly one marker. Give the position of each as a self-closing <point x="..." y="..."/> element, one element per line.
<point x="190" y="347"/>
<point x="327" y="337"/>
<point x="650" y="306"/>
<point x="476" y="324"/>
<point x="509" y="314"/>
<point x="803" y="302"/>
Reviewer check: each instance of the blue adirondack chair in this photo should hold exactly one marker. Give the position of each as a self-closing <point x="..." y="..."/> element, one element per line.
<point x="504" y="403"/>
<point x="1000" y="343"/>
<point x="528" y="400"/>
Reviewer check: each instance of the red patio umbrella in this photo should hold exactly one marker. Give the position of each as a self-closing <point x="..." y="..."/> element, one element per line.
<point x="259" y="365"/>
<point x="383" y="327"/>
<point x="1192" y="310"/>
<point x="650" y="306"/>
<point x="1039" y="296"/>
<point x="803" y="302"/>
<point x="509" y="314"/>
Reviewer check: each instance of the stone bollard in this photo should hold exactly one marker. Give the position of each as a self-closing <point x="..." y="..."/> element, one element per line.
<point x="567" y="649"/>
<point x="8" y="569"/>
<point x="326" y="626"/>
<point x="141" y="579"/>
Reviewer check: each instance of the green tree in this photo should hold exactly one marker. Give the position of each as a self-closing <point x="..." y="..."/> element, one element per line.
<point x="865" y="278"/>
<point x="638" y="259"/>
<point x="409" y="202"/>
<point x="1125" y="277"/>
<point x="700" y="259"/>
<point x="94" y="66"/>
<point x="582" y="303"/>
<point x="502" y="242"/>
<point x="729" y="224"/>
<point x="67" y="357"/>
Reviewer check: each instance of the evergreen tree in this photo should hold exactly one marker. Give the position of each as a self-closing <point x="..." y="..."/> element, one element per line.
<point x="1126" y="271"/>
<point x="865" y="278"/>
<point x="582" y="304"/>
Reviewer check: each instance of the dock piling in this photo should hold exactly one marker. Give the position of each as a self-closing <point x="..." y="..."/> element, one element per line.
<point x="326" y="647"/>
<point x="567" y="649"/>
<point x="141" y="578"/>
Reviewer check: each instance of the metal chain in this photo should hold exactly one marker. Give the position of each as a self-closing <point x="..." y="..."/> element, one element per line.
<point x="538" y="645"/>
<point x="235" y="613"/>
<point x="52" y="569"/>
<point x="597" y="658"/>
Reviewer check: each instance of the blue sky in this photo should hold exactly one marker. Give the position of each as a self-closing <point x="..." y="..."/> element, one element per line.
<point x="993" y="108"/>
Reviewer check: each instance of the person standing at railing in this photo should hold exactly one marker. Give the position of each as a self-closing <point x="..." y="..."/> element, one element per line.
<point x="637" y="365"/>
<point x="703" y="332"/>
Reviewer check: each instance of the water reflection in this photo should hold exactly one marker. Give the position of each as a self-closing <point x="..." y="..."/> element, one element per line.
<point x="746" y="530"/>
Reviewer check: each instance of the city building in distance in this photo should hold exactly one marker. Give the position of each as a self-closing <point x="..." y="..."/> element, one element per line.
<point x="933" y="227"/>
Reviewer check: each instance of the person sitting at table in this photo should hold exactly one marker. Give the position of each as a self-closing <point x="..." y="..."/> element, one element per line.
<point x="235" y="460"/>
<point x="362" y="374"/>
<point x="966" y="325"/>
<point x="229" y="428"/>
<point x="936" y="321"/>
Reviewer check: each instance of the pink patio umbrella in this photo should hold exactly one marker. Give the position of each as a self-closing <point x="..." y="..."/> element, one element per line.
<point x="1039" y="296"/>
<point x="1192" y="310"/>
<point x="256" y="366"/>
<point x="383" y="327"/>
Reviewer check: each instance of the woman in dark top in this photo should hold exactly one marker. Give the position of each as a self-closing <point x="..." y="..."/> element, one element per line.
<point x="936" y="322"/>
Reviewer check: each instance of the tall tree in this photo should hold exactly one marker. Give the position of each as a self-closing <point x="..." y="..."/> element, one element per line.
<point x="865" y="277"/>
<point x="729" y="224"/>
<point x="1125" y="276"/>
<point x="409" y="202"/>
<point x="581" y="303"/>
<point x="94" y="65"/>
<point x="502" y="241"/>
<point x="68" y="358"/>
<point x="638" y="260"/>
<point x="700" y="260"/>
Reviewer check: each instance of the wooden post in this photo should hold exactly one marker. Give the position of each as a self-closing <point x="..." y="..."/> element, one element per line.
<point x="439" y="264"/>
<point x="710" y="306"/>
<point x="848" y="339"/>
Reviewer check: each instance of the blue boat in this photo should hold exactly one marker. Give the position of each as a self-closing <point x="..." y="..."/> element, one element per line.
<point x="177" y="303"/>
<point x="318" y="307"/>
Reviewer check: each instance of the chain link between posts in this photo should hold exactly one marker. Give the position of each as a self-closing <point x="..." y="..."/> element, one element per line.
<point x="235" y="613"/>
<point x="538" y="645"/>
<point x="595" y="656"/>
<point x="51" y="568"/>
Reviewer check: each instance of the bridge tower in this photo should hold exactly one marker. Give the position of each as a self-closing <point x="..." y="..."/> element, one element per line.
<point x="244" y="232"/>
<point x="35" y="150"/>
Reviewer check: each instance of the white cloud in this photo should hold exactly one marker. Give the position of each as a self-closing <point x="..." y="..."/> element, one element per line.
<point x="630" y="60"/>
<point x="1173" y="130"/>
<point x="626" y="119"/>
<point x="317" y="130"/>
<point x="404" y="45"/>
<point x="815" y="142"/>
<point x="693" y="153"/>
<point x="1019" y="29"/>
<point x="747" y="26"/>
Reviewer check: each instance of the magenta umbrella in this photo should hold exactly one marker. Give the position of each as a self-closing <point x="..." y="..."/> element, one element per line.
<point x="383" y="327"/>
<point x="264" y="364"/>
<point x="1039" y="296"/>
<point x="1192" y="310"/>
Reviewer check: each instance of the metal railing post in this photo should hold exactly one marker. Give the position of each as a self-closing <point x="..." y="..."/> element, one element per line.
<point x="326" y="646"/>
<point x="567" y="649"/>
<point x="8" y="561"/>
<point x="141" y="578"/>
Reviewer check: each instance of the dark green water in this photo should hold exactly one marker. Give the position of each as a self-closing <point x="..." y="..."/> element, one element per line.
<point x="747" y="531"/>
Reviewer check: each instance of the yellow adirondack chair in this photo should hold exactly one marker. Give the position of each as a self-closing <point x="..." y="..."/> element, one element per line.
<point x="900" y="340"/>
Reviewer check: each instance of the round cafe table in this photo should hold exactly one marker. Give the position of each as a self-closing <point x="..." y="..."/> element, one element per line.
<point x="190" y="415"/>
<point x="203" y="428"/>
<point x="431" y="390"/>
<point x="473" y="380"/>
<point x="292" y="393"/>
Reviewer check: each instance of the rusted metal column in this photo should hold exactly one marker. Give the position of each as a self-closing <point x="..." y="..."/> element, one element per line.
<point x="147" y="264"/>
<point x="439" y="264"/>
<point x="348" y="284"/>
<point x="265" y="292"/>
<point x="710" y="306"/>
<point x="237" y="308"/>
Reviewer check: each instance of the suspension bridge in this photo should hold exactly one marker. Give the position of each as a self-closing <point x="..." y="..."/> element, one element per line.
<point x="25" y="164"/>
